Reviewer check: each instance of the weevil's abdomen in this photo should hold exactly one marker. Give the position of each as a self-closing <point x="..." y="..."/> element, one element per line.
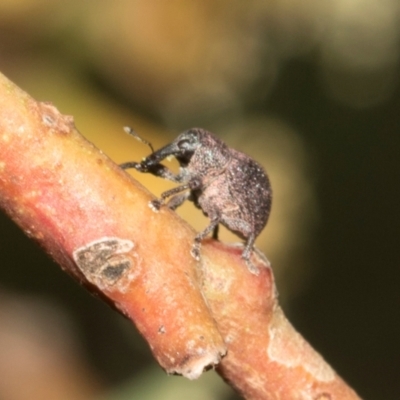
<point x="241" y="196"/>
<point x="250" y="184"/>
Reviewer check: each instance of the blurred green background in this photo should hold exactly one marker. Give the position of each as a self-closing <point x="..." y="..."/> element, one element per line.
<point x="308" y="88"/>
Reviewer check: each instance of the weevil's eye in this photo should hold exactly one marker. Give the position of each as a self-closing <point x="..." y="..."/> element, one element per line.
<point x="187" y="143"/>
<point x="184" y="144"/>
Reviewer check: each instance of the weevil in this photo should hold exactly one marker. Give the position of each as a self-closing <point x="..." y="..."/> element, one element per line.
<point x="228" y="186"/>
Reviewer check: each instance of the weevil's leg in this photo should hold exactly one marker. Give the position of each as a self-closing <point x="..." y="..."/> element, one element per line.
<point x="248" y="249"/>
<point x="157" y="170"/>
<point x="131" y="164"/>
<point x="163" y="172"/>
<point x="193" y="184"/>
<point x="200" y="236"/>
<point x="215" y="232"/>
<point x="156" y="204"/>
<point x="177" y="200"/>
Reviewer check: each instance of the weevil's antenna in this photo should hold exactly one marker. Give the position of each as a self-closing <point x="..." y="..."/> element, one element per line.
<point x="130" y="131"/>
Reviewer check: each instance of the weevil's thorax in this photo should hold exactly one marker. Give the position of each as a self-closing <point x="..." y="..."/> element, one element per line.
<point x="210" y="158"/>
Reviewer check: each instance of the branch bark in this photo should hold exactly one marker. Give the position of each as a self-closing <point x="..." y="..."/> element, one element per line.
<point x="94" y="220"/>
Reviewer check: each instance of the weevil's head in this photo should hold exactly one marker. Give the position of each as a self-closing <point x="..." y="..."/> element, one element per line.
<point x="194" y="145"/>
<point x="205" y="153"/>
<point x="187" y="144"/>
<point x="183" y="148"/>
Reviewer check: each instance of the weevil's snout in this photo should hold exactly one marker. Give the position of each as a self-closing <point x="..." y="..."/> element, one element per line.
<point x="182" y="148"/>
<point x="159" y="155"/>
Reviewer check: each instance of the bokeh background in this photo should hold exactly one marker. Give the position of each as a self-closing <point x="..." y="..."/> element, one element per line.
<point x="308" y="88"/>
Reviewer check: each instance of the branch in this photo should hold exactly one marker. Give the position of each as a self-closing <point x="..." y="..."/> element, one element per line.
<point x="94" y="220"/>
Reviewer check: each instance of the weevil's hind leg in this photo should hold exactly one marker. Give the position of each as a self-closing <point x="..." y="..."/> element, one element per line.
<point x="248" y="249"/>
<point x="178" y="200"/>
<point x="200" y="236"/>
<point x="215" y="232"/>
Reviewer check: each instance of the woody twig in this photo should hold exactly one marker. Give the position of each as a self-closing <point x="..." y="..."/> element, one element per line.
<point x="94" y="220"/>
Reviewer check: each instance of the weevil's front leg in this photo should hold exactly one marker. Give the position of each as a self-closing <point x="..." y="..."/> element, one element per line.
<point x="163" y="172"/>
<point x="156" y="169"/>
<point x="156" y="204"/>
<point x="178" y="200"/>
<point x="132" y="164"/>
<point x="191" y="185"/>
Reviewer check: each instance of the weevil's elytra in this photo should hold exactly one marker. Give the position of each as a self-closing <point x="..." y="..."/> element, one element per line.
<point x="228" y="186"/>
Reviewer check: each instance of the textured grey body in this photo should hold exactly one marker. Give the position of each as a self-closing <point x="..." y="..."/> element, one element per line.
<point x="228" y="186"/>
<point x="240" y="195"/>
